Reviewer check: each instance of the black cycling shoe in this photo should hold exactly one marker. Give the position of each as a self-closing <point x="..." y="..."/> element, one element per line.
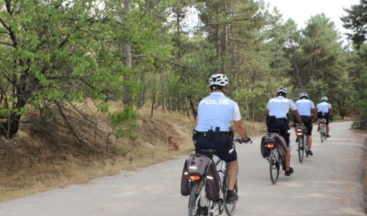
<point x="297" y="139"/>
<point x="232" y="197"/>
<point x="327" y="135"/>
<point x="202" y="211"/>
<point x="288" y="173"/>
<point x="309" y="153"/>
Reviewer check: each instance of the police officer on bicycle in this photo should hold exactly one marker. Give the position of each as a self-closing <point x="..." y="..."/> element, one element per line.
<point x="213" y="131"/>
<point x="324" y="110"/>
<point x="306" y="109"/>
<point x="277" y="110"/>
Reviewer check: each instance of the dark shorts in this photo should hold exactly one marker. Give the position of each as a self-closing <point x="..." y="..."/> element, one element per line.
<point x="323" y="115"/>
<point x="307" y="121"/>
<point x="282" y="127"/>
<point x="221" y="147"/>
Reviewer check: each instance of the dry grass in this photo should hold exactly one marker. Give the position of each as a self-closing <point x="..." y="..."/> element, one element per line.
<point x="33" y="161"/>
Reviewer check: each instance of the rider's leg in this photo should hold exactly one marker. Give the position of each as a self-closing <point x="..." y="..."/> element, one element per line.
<point x="327" y="129"/>
<point x="287" y="159"/>
<point x="232" y="172"/>
<point x="309" y="142"/>
<point x="284" y="131"/>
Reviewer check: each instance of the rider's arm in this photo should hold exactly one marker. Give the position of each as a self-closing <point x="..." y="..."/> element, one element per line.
<point x="295" y="112"/>
<point x="314" y="113"/>
<point x="331" y="111"/>
<point x="241" y="129"/>
<point x="236" y="118"/>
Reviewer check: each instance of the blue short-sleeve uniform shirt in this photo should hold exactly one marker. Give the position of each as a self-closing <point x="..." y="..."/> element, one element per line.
<point x="217" y="110"/>
<point x="304" y="107"/>
<point x="279" y="106"/>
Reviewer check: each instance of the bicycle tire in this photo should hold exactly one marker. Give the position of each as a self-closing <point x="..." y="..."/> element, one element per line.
<point x="305" y="144"/>
<point x="229" y="208"/>
<point x="192" y="199"/>
<point x="324" y="134"/>
<point x="301" y="149"/>
<point x="218" y="164"/>
<point x="273" y="166"/>
<point x="321" y="132"/>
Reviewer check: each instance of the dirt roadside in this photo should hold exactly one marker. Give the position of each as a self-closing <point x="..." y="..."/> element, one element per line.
<point x="33" y="161"/>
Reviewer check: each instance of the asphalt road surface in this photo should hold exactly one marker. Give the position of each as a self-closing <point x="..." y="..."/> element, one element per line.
<point x="329" y="183"/>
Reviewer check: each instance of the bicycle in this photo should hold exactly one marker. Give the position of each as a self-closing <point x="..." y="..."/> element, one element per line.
<point x="276" y="161"/>
<point x="197" y="197"/>
<point x="322" y="129"/>
<point x="301" y="141"/>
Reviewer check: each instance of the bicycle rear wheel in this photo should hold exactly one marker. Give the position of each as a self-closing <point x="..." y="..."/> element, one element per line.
<point x="324" y="133"/>
<point x="301" y="149"/>
<point x="193" y="197"/>
<point x="274" y="167"/>
<point x="305" y="144"/>
<point x="321" y="134"/>
<point x="229" y="208"/>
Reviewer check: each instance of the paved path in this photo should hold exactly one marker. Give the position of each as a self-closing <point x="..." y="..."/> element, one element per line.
<point x="329" y="183"/>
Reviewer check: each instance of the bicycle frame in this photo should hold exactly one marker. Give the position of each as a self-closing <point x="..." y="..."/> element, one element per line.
<point x="322" y="126"/>
<point x="302" y="143"/>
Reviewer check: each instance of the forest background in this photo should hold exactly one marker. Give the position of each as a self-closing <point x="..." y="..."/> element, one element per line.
<point x="82" y="70"/>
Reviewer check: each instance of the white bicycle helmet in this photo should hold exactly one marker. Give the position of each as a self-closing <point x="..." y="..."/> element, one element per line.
<point x="303" y="94"/>
<point x="282" y="89"/>
<point x="218" y="79"/>
<point x="324" y="98"/>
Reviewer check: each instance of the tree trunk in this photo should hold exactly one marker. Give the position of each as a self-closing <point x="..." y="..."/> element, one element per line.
<point x="217" y="36"/>
<point x="187" y="107"/>
<point x="225" y="39"/>
<point x="163" y="92"/>
<point x="153" y="102"/>
<point x="179" y="102"/>
<point x="170" y="104"/>
<point x="127" y="94"/>
<point x="193" y="108"/>
<point x="141" y="101"/>
<point x="296" y="68"/>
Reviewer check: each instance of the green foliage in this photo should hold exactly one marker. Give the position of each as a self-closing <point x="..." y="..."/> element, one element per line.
<point x="356" y="20"/>
<point x="124" y="122"/>
<point x="54" y="54"/>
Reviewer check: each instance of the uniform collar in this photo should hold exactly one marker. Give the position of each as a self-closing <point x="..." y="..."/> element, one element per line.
<point x="280" y="96"/>
<point x="217" y="93"/>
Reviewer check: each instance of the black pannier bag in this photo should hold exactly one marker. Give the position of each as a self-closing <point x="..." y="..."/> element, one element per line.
<point x="212" y="187"/>
<point x="277" y="140"/>
<point x="204" y="167"/>
<point x="185" y="189"/>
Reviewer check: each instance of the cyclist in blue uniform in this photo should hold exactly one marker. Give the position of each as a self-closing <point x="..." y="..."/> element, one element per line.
<point x="324" y="110"/>
<point x="306" y="109"/>
<point x="277" y="110"/>
<point x="213" y="131"/>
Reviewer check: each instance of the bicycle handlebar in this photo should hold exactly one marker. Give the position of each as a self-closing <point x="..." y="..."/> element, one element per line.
<point x="240" y="141"/>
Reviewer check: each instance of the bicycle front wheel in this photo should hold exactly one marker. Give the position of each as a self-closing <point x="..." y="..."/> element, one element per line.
<point x="192" y="199"/>
<point x="301" y="149"/>
<point x="229" y="208"/>
<point x="273" y="167"/>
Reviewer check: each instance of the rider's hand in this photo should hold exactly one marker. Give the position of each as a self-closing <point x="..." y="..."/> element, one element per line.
<point x="247" y="141"/>
<point x="239" y="140"/>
